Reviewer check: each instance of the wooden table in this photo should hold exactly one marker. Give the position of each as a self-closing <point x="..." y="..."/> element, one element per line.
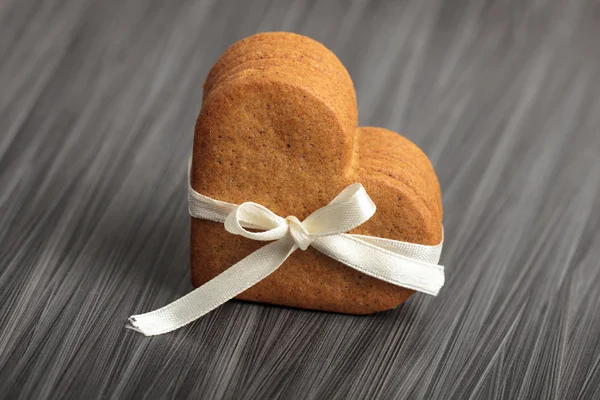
<point x="98" y="101"/>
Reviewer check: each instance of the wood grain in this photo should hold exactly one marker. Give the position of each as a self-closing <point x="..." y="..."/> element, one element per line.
<point x="97" y="107"/>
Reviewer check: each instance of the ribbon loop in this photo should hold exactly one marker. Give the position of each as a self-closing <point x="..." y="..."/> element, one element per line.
<point x="251" y="214"/>
<point x="351" y="208"/>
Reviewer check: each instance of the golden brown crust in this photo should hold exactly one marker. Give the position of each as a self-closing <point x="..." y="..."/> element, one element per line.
<point x="278" y="126"/>
<point x="280" y="45"/>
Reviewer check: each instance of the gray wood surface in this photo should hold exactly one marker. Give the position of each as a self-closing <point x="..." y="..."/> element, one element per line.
<point x="97" y="105"/>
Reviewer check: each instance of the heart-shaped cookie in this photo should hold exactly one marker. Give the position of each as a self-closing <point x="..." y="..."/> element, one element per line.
<point x="279" y="127"/>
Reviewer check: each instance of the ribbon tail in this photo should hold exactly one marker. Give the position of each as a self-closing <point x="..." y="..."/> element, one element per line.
<point x="225" y="286"/>
<point x="419" y="252"/>
<point x="382" y="263"/>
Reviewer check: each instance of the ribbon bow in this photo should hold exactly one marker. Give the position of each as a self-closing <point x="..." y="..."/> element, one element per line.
<point x="410" y="265"/>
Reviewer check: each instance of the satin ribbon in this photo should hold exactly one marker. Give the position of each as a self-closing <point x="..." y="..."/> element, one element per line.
<point x="409" y="265"/>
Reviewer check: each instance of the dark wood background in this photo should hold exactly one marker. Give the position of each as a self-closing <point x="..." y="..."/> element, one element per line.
<point x="97" y="105"/>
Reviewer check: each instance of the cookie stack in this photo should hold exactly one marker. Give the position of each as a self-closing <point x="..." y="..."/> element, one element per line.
<point x="279" y="127"/>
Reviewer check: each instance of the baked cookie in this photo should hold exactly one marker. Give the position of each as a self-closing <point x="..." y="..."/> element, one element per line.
<point x="278" y="126"/>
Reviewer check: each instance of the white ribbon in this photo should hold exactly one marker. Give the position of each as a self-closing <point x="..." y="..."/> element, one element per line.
<point x="409" y="265"/>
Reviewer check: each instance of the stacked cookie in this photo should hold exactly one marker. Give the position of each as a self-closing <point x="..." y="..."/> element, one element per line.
<point x="278" y="126"/>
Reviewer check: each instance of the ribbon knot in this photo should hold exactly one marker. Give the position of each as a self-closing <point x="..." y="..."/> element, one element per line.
<point x="410" y="265"/>
<point x="301" y="236"/>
